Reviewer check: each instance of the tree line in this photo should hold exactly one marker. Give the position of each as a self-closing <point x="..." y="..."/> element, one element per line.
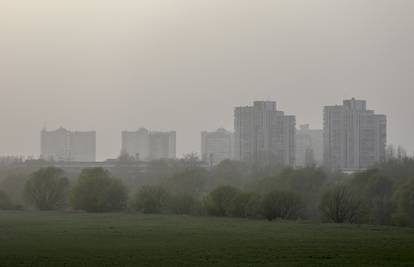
<point x="382" y="195"/>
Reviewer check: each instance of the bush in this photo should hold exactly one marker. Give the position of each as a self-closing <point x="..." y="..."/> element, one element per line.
<point x="97" y="191"/>
<point x="181" y="204"/>
<point x="5" y="203"/>
<point x="254" y="206"/>
<point x="218" y="202"/>
<point x="245" y="205"/>
<point x="151" y="199"/>
<point x="282" y="204"/>
<point x="340" y="205"/>
<point x="47" y="189"/>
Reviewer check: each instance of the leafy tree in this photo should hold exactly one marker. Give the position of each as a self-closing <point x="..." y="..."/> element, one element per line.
<point x="229" y="172"/>
<point x="97" y="191"/>
<point x="405" y="202"/>
<point x="47" y="189"/>
<point x="181" y="204"/>
<point x="307" y="182"/>
<point x="151" y="199"/>
<point x="191" y="181"/>
<point x="282" y="204"/>
<point x="340" y="205"/>
<point x="375" y="190"/>
<point x="218" y="202"/>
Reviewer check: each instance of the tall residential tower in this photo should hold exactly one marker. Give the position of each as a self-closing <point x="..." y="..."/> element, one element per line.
<point x="216" y="146"/>
<point x="64" y="145"/>
<point x="354" y="137"/>
<point x="146" y="145"/>
<point x="264" y="135"/>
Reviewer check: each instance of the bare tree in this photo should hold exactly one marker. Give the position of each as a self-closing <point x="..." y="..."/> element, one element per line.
<point x="339" y="205"/>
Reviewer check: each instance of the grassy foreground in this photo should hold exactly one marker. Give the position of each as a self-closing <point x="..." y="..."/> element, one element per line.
<point x="66" y="239"/>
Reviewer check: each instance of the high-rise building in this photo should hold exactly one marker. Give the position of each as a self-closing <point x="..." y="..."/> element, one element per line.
<point x="146" y="145"/>
<point x="162" y="145"/>
<point x="136" y="144"/>
<point x="354" y="137"/>
<point x="309" y="147"/>
<point x="64" y="145"/>
<point x="264" y="135"/>
<point x="216" y="146"/>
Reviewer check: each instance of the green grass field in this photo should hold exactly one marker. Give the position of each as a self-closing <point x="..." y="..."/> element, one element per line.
<point x="78" y="239"/>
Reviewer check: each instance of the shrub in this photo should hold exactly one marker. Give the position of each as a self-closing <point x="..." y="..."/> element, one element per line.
<point x="340" y="205"/>
<point x="245" y="205"/>
<point x="181" y="204"/>
<point x="282" y="204"/>
<point x="151" y="199"/>
<point x="218" y="202"/>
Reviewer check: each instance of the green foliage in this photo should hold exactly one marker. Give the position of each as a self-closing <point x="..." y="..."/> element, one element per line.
<point x="375" y="190"/>
<point x="405" y="203"/>
<point x="341" y="205"/>
<point x="306" y="182"/>
<point x="229" y="172"/>
<point x="47" y="189"/>
<point x="151" y="199"/>
<point x="282" y="204"/>
<point x="245" y="205"/>
<point x="190" y="181"/>
<point x="97" y="191"/>
<point x="219" y="201"/>
<point x="181" y="204"/>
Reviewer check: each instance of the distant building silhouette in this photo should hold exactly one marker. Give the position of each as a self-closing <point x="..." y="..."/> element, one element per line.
<point x="354" y="137"/>
<point x="264" y="135"/>
<point x="64" y="145"/>
<point x="146" y="145"/>
<point x="216" y="146"/>
<point x="309" y="146"/>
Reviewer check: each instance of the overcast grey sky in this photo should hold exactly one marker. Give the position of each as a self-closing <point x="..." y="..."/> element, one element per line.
<point x="112" y="65"/>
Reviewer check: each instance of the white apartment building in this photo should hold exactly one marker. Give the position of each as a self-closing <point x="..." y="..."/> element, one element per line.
<point x="264" y="135"/>
<point x="146" y="145"/>
<point x="216" y="146"/>
<point x="64" y="145"/>
<point x="354" y="137"/>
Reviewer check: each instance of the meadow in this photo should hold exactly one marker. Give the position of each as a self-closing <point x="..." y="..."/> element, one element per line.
<point x="123" y="239"/>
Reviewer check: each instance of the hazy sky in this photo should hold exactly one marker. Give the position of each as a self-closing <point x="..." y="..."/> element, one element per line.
<point x="112" y="65"/>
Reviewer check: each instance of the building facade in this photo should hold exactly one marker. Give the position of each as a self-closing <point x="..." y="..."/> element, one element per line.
<point x="354" y="137"/>
<point x="145" y="145"/>
<point x="216" y="146"/>
<point x="64" y="145"/>
<point x="264" y="135"/>
<point x="309" y="146"/>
